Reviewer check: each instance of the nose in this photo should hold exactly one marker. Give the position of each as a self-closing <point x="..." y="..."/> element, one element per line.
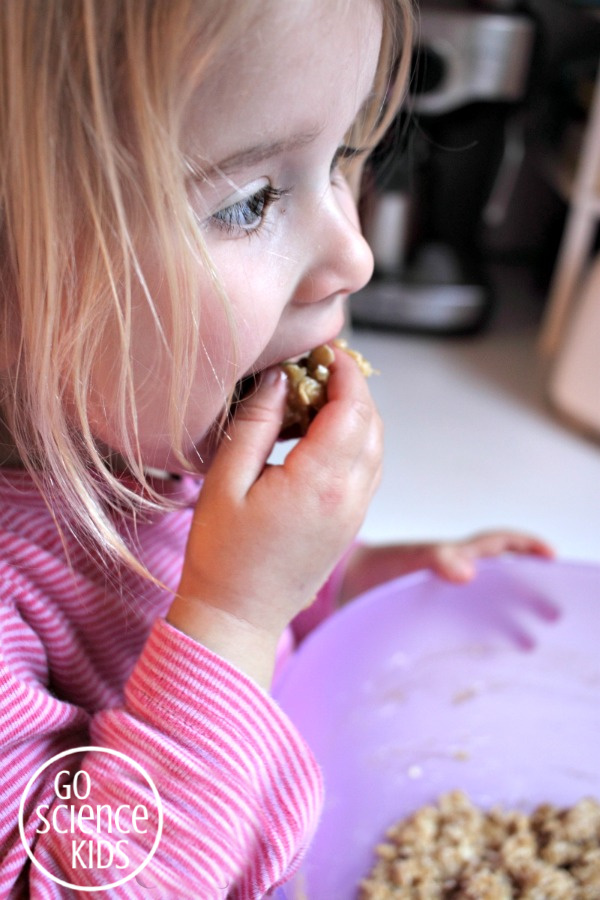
<point x="341" y="261"/>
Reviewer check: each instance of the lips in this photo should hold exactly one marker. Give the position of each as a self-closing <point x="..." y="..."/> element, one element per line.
<point x="249" y="383"/>
<point x="246" y="386"/>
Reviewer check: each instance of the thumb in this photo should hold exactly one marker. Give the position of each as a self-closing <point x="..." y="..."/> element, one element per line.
<point x="252" y="434"/>
<point x="453" y="564"/>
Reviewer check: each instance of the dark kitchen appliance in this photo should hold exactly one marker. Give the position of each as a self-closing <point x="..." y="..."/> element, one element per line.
<point x="455" y="171"/>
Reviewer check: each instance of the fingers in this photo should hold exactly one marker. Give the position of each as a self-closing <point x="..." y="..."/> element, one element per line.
<point x="339" y="460"/>
<point x="493" y="543"/>
<point x="348" y="428"/>
<point x="288" y="523"/>
<point x="457" y="561"/>
<point x="252" y="434"/>
<point x="451" y="562"/>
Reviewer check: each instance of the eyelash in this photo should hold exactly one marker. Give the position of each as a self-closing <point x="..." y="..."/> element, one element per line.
<point x="248" y="215"/>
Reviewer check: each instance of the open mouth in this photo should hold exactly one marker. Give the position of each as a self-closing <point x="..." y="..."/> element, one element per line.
<point x="244" y="388"/>
<point x="307" y="378"/>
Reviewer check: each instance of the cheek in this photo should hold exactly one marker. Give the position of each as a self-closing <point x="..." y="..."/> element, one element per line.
<point x="257" y="285"/>
<point x="155" y="359"/>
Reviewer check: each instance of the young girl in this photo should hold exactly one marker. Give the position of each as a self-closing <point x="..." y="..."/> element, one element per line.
<point x="175" y="216"/>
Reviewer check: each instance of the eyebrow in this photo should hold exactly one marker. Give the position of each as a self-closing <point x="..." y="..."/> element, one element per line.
<point x="257" y="153"/>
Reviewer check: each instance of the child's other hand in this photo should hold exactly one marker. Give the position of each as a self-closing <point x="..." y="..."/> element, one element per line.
<point x="456" y="560"/>
<point x="264" y="538"/>
<point x="453" y="560"/>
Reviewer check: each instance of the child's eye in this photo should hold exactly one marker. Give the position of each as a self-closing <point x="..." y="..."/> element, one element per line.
<point x="247" y="215"/>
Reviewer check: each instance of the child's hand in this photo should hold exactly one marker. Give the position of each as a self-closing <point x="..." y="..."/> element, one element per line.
<point x="265" y="538"/>
<point x="453" y="560"/>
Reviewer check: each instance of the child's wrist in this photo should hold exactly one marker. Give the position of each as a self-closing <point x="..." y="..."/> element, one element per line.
<point x="249" y="648"/>
<point x="352" y="582"/>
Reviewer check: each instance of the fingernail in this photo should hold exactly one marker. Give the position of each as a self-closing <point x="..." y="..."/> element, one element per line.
<point x="463" y="569"/>
<point x="271" y="377"/>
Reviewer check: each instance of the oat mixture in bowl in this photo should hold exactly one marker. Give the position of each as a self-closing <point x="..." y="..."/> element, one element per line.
<point x="454" y="850"/>
<point x="422" y="687"/>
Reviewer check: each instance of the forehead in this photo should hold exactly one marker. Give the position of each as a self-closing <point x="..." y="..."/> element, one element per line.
<point x="299" y="67"/>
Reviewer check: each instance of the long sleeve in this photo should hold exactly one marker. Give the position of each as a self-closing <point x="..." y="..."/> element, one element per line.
<point x="239" y="789"/>
<point x="88" y="660"/>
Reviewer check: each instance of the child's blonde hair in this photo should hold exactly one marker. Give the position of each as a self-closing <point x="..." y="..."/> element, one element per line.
<point x="92" y="101"/>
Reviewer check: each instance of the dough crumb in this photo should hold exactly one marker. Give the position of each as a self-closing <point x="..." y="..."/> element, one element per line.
<point x="454" y="850"/>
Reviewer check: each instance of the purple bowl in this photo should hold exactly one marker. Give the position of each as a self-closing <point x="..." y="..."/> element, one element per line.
<point x="420" y="687"/>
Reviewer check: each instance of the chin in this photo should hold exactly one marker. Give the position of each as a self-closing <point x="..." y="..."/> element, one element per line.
<point x="197" y="461"/>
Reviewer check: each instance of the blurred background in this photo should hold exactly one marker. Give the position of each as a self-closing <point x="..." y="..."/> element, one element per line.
<point x="483" y="315"/>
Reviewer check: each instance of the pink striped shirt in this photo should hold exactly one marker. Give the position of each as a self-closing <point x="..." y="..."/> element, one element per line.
<point x="86" y="663"/>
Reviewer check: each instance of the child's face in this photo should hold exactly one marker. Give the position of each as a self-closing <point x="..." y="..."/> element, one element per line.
<point x="278" y="218"/>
